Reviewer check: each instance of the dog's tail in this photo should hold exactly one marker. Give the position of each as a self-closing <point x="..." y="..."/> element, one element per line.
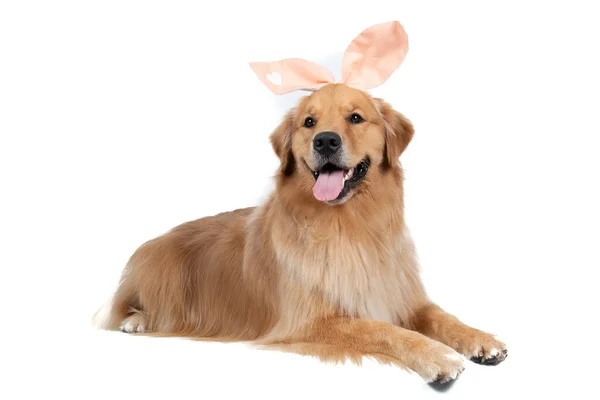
<point x="102" y="318"/>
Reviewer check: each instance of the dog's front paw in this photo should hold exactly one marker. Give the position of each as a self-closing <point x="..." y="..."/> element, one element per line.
<point x="491" y="352"/>
<point x="439" y="365"/>
<point x="481" y="348"/>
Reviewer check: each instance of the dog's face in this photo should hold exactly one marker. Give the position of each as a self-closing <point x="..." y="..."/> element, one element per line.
<point x="336" y="138"/>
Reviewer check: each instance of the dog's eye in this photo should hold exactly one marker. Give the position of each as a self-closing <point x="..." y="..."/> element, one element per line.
<point x="356" y="119"/>
<point x="309" y="122"/>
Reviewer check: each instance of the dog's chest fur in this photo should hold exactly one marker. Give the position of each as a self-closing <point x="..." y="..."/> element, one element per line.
<point x="366" y="274"/>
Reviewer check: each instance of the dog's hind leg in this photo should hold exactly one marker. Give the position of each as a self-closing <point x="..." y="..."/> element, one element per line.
<point x="339" y="339"/>
<point x="134" y="323"/>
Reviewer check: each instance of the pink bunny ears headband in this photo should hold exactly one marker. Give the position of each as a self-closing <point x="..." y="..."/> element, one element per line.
<point x="369" y="60"/>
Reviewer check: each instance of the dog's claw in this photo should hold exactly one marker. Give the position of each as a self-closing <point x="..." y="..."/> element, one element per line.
<point x="442" y="384"/>
<point x="494" y="360"/>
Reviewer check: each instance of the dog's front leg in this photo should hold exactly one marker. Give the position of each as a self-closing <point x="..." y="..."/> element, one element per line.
<point x="478" y="346"/>
<point x="350" y="338"/>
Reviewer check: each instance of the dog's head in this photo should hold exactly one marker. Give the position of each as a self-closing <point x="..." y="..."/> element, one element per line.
<point x="337" y="138"/>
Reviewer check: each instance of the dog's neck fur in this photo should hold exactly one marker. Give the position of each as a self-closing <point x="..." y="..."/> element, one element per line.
<point x="362" y="263"/>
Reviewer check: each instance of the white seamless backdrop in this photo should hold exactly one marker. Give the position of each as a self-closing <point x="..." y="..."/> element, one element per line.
<point x="121" y="119"/>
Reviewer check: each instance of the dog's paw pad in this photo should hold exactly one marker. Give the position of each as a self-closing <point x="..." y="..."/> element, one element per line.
<point x="493" y="357"/>
<point x="445" y="378"/>
<point x="444" y="382"/>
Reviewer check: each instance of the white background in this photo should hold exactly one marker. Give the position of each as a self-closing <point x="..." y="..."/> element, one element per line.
<point x="121" y="119"/>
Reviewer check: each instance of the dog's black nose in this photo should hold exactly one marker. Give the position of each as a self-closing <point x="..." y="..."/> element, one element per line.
<point x="327" y="143"/>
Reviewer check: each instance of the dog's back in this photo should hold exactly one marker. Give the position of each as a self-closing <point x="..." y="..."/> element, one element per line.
<point x="189" y="282"/>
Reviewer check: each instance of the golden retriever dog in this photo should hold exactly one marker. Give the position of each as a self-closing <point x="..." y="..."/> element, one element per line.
<point x="325" y="267"/>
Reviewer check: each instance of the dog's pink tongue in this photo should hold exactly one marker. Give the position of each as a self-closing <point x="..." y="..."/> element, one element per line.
<point x="329" y="185"/>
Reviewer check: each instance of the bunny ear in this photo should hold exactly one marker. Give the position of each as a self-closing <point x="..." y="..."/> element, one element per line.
<point x="291" y="74"/>
<point x="374" y="55"/>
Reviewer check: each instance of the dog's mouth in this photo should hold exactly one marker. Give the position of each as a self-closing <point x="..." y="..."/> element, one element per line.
<point x="333" y="183"/>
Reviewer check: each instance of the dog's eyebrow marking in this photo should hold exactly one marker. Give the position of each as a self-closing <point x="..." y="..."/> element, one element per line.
<point x="356" y="109"/>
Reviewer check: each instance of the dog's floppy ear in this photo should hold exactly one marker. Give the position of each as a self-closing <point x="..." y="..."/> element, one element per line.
<point x="281" y="140"/>
<point x="399" y="132"/>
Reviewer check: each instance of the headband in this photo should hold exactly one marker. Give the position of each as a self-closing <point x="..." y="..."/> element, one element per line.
<point x="369" y="60"/>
